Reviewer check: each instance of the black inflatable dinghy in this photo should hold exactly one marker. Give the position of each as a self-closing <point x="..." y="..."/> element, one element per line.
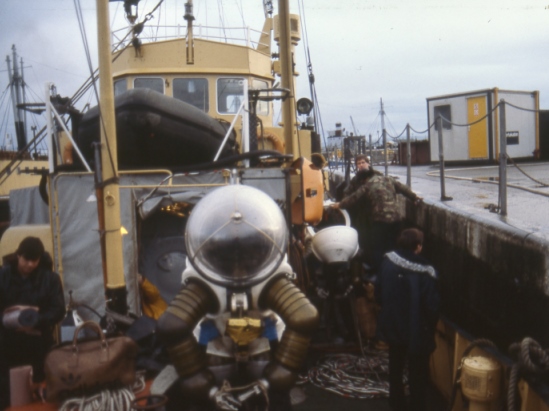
<point x="157" y="131"/>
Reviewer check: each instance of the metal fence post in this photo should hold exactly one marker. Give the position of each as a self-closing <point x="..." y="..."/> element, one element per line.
<point x="443" y="196"/>
<point x="408" y="157"/>
<point x="502" y="159"/>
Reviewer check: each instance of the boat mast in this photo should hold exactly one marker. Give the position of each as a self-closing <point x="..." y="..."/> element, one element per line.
<point x="107" y="189"/>
<point x="16" y="83"/>
<point x="384" y="135"/>
<point x="287" y="80"/>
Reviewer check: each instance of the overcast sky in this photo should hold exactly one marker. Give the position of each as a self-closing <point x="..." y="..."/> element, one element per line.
<point x="401" y="51"/>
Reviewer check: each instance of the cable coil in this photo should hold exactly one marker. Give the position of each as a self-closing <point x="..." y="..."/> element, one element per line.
<point x="351" y="376"/>
<point x="532" y="359"/>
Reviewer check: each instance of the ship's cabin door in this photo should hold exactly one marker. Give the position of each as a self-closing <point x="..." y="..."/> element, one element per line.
<point x="478" y="132"/>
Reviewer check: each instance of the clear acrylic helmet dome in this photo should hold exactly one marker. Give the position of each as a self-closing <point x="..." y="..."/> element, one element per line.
<point x="236" y="236"/>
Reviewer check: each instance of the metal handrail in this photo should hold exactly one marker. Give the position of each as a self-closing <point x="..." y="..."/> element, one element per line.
<point x="178" y="31"/>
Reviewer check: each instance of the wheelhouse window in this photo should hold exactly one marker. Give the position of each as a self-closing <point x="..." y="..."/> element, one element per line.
<point x="120" y="86"/>
<point x="154" y="83"/>
<point x="192" y="91"/>
<point x="262" y="107"/>
<point x="446" y="114"/>
<point x="230" y="93"/>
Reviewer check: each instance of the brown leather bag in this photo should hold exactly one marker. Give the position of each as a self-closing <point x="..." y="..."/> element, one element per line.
<point x="84" y="367"/>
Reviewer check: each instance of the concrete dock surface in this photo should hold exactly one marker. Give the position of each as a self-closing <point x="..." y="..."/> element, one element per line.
<point x="476" y="190"/>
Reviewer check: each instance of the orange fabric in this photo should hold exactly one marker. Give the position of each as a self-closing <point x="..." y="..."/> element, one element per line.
<point x="152" y="303"/>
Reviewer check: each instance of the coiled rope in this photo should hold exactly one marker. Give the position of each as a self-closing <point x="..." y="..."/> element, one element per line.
<point x="119" y="400"/>
<point x="531" y="358"/>
<point x="108" y="399"/>
<point x="352" y="376"/>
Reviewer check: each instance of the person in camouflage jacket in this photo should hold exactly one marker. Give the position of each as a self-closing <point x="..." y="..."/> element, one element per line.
<point x="371" y="199"/>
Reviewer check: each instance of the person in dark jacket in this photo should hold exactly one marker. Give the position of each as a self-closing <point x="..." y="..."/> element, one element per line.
<point x="356" y="203"/>
<point x="407" y="292"/>
<point x="31" y="304"/>
<point x="371" y="199"/>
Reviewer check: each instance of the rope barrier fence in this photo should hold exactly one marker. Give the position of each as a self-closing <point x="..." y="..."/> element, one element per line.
<point x="444" y="122"/>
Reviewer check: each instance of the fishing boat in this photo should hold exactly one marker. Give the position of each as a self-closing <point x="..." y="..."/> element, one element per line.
<point x="22" y="162"/>
<point x="185" y="128"/>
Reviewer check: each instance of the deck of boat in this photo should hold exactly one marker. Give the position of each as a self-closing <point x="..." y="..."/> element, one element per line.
<point x="311" y="397"/>
<point x="472" y="190"/>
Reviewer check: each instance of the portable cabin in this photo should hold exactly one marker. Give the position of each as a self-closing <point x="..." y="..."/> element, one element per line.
<point x="465" y="138"/>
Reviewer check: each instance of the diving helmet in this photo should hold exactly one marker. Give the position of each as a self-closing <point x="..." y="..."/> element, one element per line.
<point x="335" y="244"/>
<point x="236" y="236"/>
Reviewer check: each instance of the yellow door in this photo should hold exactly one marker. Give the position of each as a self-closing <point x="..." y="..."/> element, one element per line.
<point x="478" y="132"/>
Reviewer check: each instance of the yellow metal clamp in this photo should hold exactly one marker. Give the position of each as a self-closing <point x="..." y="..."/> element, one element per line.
<point x="244" y="330"/>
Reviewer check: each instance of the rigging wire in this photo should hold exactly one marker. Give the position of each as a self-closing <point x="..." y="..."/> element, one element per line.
<point x="158" y="23"/>
<point x="374" y="123"/>
<point x="4" y="122"/>
<point x="312" y="87"/>
<point x="391" y="124"/>
<point x="40" y="143"/>
<point x="241" y="11"/>
<point x="82" y="28"/>
<point x="115" y="13"/>
<point x="222" y="17"/>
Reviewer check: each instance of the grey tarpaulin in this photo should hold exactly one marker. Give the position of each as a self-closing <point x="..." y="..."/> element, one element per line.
<point x="76" y="235"/>
<point x="27" y="207"/>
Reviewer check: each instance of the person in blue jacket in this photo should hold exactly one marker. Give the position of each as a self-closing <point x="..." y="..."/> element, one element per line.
<point x="31" y="304"/>
<point x="407" y="292"/>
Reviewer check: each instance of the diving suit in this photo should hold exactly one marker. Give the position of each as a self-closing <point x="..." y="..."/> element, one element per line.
<point x="239" y="328"/>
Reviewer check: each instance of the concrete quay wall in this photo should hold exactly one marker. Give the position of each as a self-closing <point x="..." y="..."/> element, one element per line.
<point x="493" y="277"/>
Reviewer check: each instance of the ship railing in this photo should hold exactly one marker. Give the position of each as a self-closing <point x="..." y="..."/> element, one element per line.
<point x="243" y="36"/>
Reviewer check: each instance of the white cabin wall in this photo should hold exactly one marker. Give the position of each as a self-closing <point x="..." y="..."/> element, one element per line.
<point x="455" y="141"/>
<point x="522" y="121"/>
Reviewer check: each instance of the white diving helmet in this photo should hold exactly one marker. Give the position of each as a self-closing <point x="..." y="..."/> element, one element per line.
<point x="236" y="236"/>
<point x="336" y="244"/>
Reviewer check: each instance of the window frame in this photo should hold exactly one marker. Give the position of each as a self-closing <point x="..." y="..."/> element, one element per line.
<point x="217" y="95"/>
<point x="206" y="93"/>
<point x="151" y="78"/>
<point x="120" y="81"/>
